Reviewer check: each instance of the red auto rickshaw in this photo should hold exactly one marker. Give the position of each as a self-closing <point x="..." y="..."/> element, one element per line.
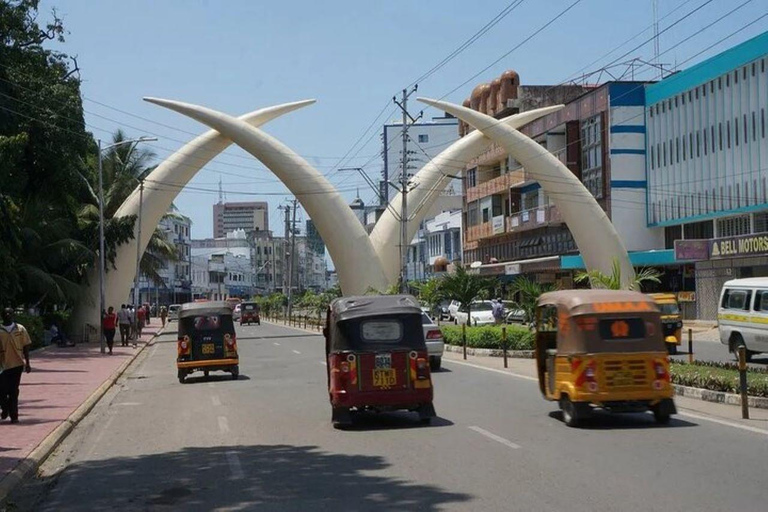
<point x="249" y="312"/>
<point x="376" y="357"/>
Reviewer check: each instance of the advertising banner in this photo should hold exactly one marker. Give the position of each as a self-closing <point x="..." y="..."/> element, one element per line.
<point x="738" y="246"/>
<point x="691" y="250"/>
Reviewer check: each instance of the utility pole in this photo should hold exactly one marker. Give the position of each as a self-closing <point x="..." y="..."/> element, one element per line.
<point x="292" y="256"/>
<point x="286" y="250"/>
<point x="403" y="104"/>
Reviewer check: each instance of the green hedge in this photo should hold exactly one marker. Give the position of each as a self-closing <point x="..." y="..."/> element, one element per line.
<point x="489" y="336"/>
<point x="34" y="326"/>
<point x="719" y="377"/>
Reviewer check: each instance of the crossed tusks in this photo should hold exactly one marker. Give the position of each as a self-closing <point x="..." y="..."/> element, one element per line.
<point x="362" y="261"/>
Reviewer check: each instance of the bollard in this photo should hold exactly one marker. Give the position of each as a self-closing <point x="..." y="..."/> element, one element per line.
<point x="690" y="345"/>
<point x="743" y="381"/>
<point x="305" y="321"/>
<point x="504" y="344"/>
<point x="464" y="338"/>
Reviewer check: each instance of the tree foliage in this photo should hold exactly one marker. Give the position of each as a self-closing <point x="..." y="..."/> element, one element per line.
<point x="526" y="293"/>
<point x="465" y="288"/>
<point x="613" y="281"/>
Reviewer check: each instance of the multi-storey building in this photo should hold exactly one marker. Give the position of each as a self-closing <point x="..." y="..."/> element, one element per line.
<point x="436" y="245"/>
<point x="250" y="216"/>
<point x="707" y="174"/>
<point x="511" y="226"/>
<point x="175" y="278"/>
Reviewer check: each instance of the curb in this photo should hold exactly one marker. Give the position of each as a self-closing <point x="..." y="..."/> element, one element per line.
<point x="37" y="456"/>
<point x="491" y="352"/>
<point x="719" y="397"/>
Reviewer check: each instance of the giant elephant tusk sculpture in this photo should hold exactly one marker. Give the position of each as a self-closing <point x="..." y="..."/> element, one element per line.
<point x="427" y="185"/>
<point x="174" y="173"/>
<point x="356" y="262"/>
<point x="592" y="230"/>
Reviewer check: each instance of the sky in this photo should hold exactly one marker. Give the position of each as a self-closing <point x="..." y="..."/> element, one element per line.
<point x="352" y="57"/>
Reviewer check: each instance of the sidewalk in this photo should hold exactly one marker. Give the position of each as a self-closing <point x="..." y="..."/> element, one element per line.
<point x="61" y="380"/>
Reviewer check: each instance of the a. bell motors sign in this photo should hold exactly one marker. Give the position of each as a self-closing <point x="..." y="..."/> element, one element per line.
<point x="738" y="246"/>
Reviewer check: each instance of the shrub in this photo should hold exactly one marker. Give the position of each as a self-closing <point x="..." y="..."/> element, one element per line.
<point x="719" y="377"/>
<point x="489" y="336"/>
<point x="34" y="326"/>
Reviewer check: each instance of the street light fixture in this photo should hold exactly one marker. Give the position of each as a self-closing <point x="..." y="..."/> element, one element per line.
<point x="102" y="256"/>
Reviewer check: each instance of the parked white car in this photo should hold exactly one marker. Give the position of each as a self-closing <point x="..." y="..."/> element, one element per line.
<point x="453" y="308"/>
<point x="434" y="339"/>
<point x="742" y="316"/>
<point x="236" y="313"/>
<point x="481" y="313"/>
<point x="173" y="311"/>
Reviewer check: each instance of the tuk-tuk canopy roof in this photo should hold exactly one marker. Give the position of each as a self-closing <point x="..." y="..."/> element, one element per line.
<point x="346" y="308"/>
<point x="205" y="308"/>
<point x="579" y="302"/>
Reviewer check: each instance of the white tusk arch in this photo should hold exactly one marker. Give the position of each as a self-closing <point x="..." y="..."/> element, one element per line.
<point x="174" y="172"/>
<point x="431" y="180"/>
<point x="592" y="230"/>
<point x="356" y="262"/>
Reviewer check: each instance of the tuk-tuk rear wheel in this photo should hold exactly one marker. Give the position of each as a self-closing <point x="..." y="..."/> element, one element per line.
<point x="235" y="372"/>
<point x="573" y="413"/>
<point x="181" y="375"/>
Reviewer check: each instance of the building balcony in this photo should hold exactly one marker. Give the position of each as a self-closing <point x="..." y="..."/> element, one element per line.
<point x="533" y="218"/>
<point x="478" y="232"/>
<point x="496" y="185"/>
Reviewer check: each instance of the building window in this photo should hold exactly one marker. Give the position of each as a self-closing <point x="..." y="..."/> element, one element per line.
<point x="720" y="135"/>
<point x="652" y="160"/>
<point x="664" y="150"/>
<point x="761" y="222"/>
<point x="591" y="151"/>
<point x="658" y="155"/>
<point x="472" y="178"/>
<point x="754" y="126"/>
<point x="698" y="144"/>
<point x="735" y="130"/>
<point x="733" y="226"/>
<point x="690" y="144"/>
<point x="423" y="137"/>
<point x="677" y="150"/>
<point x="684" y="152"/>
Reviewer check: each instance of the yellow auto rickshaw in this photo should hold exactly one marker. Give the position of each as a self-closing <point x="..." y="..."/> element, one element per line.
<point x="671" y="320"/>
<point x="602" y="348"/>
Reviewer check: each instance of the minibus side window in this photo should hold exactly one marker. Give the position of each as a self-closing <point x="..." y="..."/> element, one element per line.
<point x="761" y="300"/>
<point x="737" y="299"/>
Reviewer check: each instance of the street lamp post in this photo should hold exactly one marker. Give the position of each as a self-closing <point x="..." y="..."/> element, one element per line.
<point x="102" y="255"/>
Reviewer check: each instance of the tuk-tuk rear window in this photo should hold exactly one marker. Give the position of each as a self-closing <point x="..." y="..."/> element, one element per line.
<point x="669" y="309"/>
<point x="620" y="329"/>
<point x="249" y="307"/>
<point x="381" y="331"/>
<point x="207" y="322"/>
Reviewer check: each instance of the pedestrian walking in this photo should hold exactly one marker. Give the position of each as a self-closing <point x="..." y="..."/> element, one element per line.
<point x="134" y="326"/>
<point x="163" y="314"/>
<point x="497" y="309"/>
<point x="124" y="319"/>
<point x="147" y="314"/>
<point x="141" y="318"/>
<point x="108" y="324"/>
<point x="14" y="359"/>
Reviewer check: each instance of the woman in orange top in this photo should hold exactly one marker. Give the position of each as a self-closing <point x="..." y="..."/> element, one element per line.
<point x="109" y="324"/>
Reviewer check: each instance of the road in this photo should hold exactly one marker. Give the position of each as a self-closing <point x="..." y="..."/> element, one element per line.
<point x="707" y="350"/>
<point x="264" y="442"/>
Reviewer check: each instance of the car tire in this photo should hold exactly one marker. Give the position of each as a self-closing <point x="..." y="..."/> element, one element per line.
<point x="737" y="341"/>
<point x="182" y="376"/>
<point x="435" y="362"/>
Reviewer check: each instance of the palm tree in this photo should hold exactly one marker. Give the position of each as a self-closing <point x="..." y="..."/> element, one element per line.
<point x="123" y="168"/>
<point x="465" y="288"/>
<point x="613" y="281"/>
<point x="430" y="293"/>
<point x="528" y="292"/>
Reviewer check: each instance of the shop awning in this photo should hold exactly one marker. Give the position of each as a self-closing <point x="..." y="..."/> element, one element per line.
<point x="657" y="258"/>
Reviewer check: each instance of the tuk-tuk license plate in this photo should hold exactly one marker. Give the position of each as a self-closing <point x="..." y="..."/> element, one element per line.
<point x="384" y="378"/>
<point x="623" y="379"/>
<point x="208" y="348"/>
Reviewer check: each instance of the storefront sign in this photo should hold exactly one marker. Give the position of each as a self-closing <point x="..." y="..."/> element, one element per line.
<point x="739" y="246"/>
<point x="512" y="269"/>
<point x="686" y="296"/>
<point x="691" y="250"/>
<point x="498" y="224"/>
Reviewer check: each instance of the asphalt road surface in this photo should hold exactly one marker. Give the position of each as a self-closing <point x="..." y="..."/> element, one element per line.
<point x="715" y="351"/>
<point x="265" y="442"/>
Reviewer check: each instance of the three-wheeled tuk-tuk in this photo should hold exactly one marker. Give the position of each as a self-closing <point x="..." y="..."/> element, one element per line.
<point x="250" y="312"/>
<point x="376" y="357"/>
<point x="671" y="320"/>
<point x="602" y="348"/>
<point x="206" y="340"/>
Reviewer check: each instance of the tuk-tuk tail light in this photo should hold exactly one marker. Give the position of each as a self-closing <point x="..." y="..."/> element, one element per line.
<point x="183" y="347"/>
<point x="661" y="371"/>
<point x="422" y="368"/>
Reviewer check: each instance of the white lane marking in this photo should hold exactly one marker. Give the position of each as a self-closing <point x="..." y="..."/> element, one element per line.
<point x="295" y="351"/>
<point x="215" y="400"/>
<point x="276" y="344"/>
<point x="234" y="465"/>
<point x="725" y="422"/>
<point x="128" y="403"/>
<point x="223" y="425"/>
<point x="503" y="372"/>
<point x="498" y="439"/>
<point x="688" y="414"/>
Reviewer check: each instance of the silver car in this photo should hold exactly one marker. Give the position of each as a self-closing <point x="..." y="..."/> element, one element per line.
<point x="433" y="336"/>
